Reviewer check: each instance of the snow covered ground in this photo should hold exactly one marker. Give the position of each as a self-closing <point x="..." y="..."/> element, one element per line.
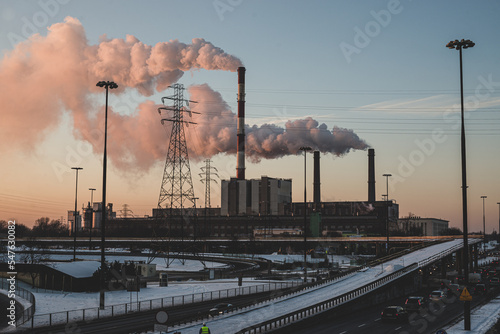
<point x="176" y="265"/>
<point x="482" y="319"/>
<point x="58" y="302"/>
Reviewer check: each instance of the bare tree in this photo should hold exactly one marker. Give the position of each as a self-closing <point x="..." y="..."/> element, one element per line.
<point x="32" y="257"/>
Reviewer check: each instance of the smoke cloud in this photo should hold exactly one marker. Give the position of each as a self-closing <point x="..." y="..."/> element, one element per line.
<point x="47" y="76"/>
<point x="215" y="132"/>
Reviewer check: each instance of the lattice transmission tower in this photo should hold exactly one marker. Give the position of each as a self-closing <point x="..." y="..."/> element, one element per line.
<point x="176" y="203"/>
<point x="207" y="172"/>
<point x="206" y="175"/>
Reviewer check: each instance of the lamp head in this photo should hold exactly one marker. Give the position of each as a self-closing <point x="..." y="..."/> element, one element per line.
<point x="464" y="44"/>
<point x="305" y="148"/>
<point x="107" y="84"/>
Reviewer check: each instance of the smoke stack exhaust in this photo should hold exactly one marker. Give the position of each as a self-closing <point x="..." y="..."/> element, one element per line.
<point x="371" y="175"/>
<point x="240" y="153"/>
<point x="317" y="181"/>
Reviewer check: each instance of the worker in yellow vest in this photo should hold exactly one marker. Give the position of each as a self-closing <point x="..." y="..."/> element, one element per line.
<point x="204" y="329"/>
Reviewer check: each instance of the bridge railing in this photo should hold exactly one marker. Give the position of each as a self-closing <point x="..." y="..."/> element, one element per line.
<point x="88" y="314"/>
<point x="315" y="309"/>
<point x="440" y="255"/>
<point x="28" y="312"/>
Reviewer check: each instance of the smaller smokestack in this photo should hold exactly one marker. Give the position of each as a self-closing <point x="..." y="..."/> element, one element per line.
<point x="240" y="132"/>
<point x="371" y="175"/>
<point x="317" y="180"/>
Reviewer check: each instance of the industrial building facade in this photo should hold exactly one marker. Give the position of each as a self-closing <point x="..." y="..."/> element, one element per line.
<point x="92" y="217"/>
<point x="267" y="196"/>
<point x="424" y="226"/>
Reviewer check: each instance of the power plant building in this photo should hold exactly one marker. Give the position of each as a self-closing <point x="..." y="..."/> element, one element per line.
<point x="267" y="196"/>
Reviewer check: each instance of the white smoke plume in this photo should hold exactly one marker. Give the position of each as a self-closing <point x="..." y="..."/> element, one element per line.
<point x="215" y="132"/>
<point x="47" y="76"/>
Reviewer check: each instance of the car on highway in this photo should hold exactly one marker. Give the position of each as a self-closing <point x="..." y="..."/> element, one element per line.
<point x="397" y="313"/>
<point x="454" y="288"/>
<point x="437" y="295"/>
<point x="495" y="281"/>
<point x="480" y="289"/>
<point x="414" y="303"/>
<point x="220" y="308"/>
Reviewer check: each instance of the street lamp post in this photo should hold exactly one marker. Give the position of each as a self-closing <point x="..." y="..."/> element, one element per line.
<point x="387" y="211"/>
<point x="75" y="215"/>
<point x="305" y="149"/>
<point x="107" y="85"/>
<point x="484" y="225"/>
<point x="92" y="217"/>
<point x="459" y="45"/>
<point x="498" y="234"/>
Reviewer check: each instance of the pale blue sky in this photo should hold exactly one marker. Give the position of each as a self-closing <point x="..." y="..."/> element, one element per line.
<point x="398" y="88"/>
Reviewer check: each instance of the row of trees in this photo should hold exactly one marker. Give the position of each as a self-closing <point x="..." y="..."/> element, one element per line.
<point x="44" y="227"/>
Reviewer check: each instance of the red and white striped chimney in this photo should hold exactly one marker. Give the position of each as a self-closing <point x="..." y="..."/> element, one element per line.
<point x="240" y="151"/>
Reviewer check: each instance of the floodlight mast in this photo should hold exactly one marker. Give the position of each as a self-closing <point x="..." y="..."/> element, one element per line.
<point x="459" y="45"/>
<point x="107" y="85"/>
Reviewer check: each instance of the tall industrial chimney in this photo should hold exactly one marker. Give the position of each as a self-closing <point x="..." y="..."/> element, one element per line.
<point x="240" y="153"/>
<point x="317" y="181"/>
<point x="371" y="175"/>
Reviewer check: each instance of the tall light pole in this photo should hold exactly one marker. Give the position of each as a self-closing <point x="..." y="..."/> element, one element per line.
<point x="498" y="234"/>
<point x="305" y="149"/>
<point x="459" y="45"/>
<point x="387" y="211"/>
<point x="75" y="215"/>
<point x="484" y="225"/>
<point x="92" y="217"/>
<point x="107" y="85"/>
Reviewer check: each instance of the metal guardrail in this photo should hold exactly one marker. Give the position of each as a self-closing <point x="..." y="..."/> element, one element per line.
<point x="24" y="294"/>
<point x="309" y="311"/>
<point x="438" y="256"/>
<point x="87" y="314"/>
<point x="288" y="293"/>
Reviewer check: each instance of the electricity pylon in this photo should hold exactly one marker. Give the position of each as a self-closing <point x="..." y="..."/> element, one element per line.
<point x="207" y="172"/>
<point x="176" y="203"/>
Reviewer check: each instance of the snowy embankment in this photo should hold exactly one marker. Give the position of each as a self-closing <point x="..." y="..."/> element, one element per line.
<point x="482" y="319"/>
<point x="58" y="302"/>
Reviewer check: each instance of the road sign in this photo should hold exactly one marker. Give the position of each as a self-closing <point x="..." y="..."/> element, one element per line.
<point x="161" y="317"/>
<point x="465" y="296"/>
<point x="441" y="331"/>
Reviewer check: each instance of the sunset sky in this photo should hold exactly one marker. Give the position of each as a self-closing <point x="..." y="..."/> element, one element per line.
<point x="377" y="73"/>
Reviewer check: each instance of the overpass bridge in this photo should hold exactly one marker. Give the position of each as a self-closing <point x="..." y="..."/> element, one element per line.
<point x="321" y="298"/>
<point x="340" y="246"/>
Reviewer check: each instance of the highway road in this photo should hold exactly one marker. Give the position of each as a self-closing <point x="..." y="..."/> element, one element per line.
<point x="434" y="316"/>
